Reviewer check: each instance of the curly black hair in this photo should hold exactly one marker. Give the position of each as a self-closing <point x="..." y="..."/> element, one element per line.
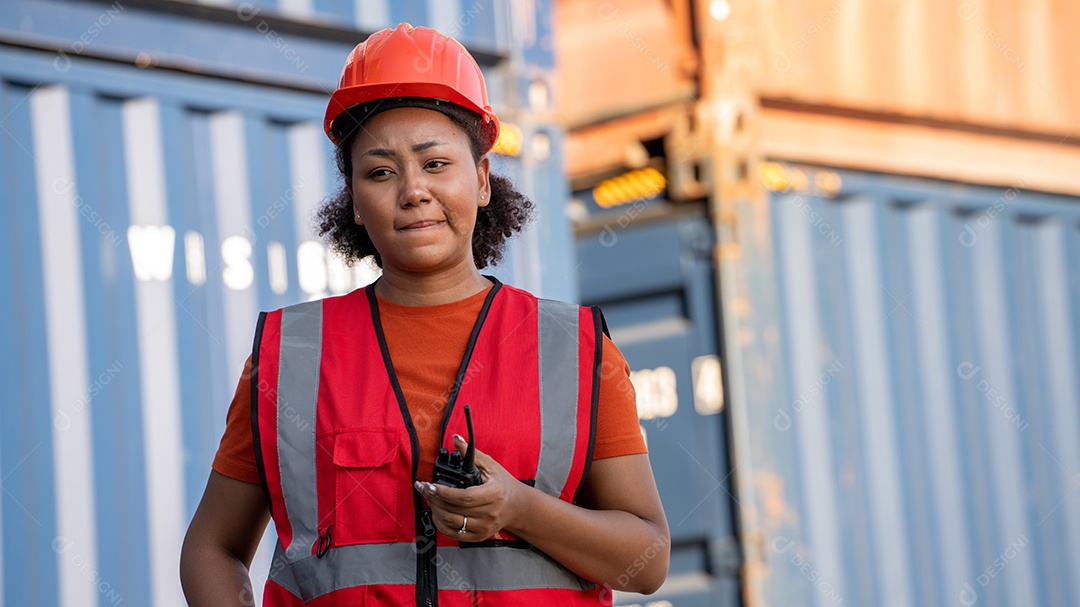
<point x="508" y="212"/>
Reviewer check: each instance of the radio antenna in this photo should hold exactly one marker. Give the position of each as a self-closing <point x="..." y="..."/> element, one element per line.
<point x="470" y="451"/>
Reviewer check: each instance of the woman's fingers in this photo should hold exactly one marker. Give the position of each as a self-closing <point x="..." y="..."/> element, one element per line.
<point x="489" y="468"/>
<point x="450" y="523"/>
<point x="457" y="500"/>
<point x="450" y="505"/>
<point x="488" y="505"/>
<point x="453" y="495"/>
<point x="479" y="526"/>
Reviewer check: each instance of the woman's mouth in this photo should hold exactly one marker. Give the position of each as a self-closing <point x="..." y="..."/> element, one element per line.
<point x="424" y="224"/>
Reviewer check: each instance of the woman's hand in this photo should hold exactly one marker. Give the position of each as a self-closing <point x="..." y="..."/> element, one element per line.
<point x="617" y="537"/>
<point x="490" y="506"/>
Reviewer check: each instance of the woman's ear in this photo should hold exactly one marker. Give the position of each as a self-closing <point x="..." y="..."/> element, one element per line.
<point x="483" y="176"/>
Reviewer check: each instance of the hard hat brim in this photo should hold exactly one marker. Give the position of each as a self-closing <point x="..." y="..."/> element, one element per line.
<point x="345" y="98"/>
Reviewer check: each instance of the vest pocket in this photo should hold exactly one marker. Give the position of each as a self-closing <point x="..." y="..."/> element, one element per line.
<point x="366" y="492"/>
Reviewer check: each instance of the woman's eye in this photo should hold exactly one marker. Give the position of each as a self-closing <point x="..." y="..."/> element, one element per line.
<point x="435" y="164"/>
<point x="379" y="173"/>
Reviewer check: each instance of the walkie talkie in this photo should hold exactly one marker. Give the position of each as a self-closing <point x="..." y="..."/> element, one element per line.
<point x="451" y="470"/>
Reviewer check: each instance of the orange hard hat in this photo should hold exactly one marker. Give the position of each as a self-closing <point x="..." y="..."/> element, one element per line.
<point x="409" y="61"/>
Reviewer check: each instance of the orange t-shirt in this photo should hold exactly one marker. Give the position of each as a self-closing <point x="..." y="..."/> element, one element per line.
<point x="427" y="344"/>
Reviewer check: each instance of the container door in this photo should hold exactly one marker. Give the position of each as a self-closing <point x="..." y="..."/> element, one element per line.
<point x="654" y="283"/>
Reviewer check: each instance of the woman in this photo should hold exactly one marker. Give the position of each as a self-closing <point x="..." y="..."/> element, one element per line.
<point x="354" y="395"/>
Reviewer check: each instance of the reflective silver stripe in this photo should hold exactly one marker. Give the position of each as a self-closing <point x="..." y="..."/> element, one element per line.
<point x="298" y="393"/>
<point x="502" y="568"/>
<point x="488" y="568"/>
<point x="349" y="566"/>
<point x="280" y="571"/>
<point x="558" y="354"/>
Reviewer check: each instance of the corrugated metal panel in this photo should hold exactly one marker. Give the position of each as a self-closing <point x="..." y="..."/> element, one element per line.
<point x="144" y="340"/>
<point x="620" y="58"/>
<point x="954" y="154"/>
<point x="297" y="44"/>
<point x="150" y="214"/>
<point x="1008" y="64"/>
<point x="654" y="281"/>
<point x="482" y="24"/>
<point x="903" y="363"/>
<point x="26" y="455"/>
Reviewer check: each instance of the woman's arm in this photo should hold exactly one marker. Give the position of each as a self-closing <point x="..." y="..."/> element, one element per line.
<point x="620" y="540"/>
<point x="221" y="542"/>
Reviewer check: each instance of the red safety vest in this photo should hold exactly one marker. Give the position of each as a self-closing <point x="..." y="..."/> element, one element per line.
<point x="337" y="451"/>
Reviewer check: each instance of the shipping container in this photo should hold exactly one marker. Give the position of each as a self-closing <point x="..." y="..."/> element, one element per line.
<point x="893" y="190"/>
<point x="654" y="282"/>
<point x="851" y="305"/>
<point x="161" y="162"/>
<point x="906" y="373"/>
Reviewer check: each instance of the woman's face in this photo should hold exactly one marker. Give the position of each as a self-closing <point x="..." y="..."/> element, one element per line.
<point x="416" y="189"/>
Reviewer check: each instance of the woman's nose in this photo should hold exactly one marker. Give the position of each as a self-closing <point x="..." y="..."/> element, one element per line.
<point x="415" y="189"/>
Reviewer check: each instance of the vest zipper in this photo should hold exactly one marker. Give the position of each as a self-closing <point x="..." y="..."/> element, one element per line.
<point x="428" y="582"/>
<point x="427" y="586"/>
